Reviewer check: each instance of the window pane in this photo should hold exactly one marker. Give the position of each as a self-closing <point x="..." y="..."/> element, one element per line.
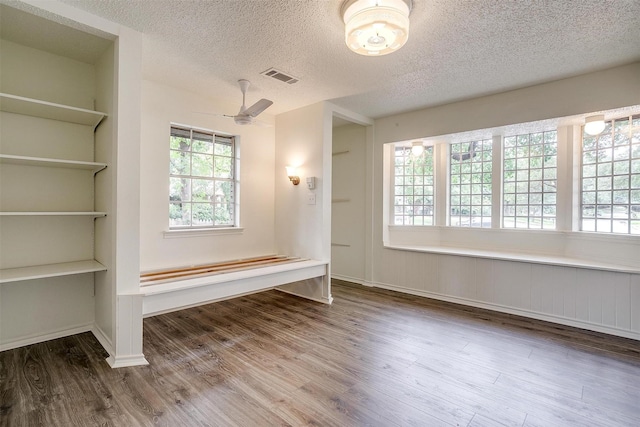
<point x="470" y="165"/>
<point x="533" y="169"/>
<point x="179" y="163"/>
<point x="223" y="213"/>
<point x="223" y="167"/>
<point x="197" y="158"/>
<point x="202" y="214"/>
<point x="179" y="214"/>
<point x="223" y="147"/>
<point x="202" y="143"/>
<point x="180" y="139"/>
<point x="202" y="164"/>
<point x="611" y="204"/>
<point x="413" y="201"/>
<point x="224" y="192"/>
<point x="202" y="190"/>
<point x="179" y="189"/>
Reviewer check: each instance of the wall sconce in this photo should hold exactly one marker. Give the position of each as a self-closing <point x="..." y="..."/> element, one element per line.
<point x="291" y="173"/>
<point x="594" y="125"/>
<point x="417" y="148"/>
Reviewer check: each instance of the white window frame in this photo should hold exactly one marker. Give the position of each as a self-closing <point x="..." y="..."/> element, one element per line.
<point x="601" y="177"/>
<point x="537" y="198"/>
<point x="479" y="202"/>
<point x="186" y="230"/>
<point x="422" y="184"/>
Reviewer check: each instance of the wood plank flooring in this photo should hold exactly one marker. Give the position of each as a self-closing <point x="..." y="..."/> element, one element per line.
<point x="374" y="357"/>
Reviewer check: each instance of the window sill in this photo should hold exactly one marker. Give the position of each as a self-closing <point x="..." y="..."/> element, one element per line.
<point x="517" y="257"/>
<point x="201" y="232"/>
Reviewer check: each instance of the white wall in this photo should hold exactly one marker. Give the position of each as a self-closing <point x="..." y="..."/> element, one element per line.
<point x="348" y="208"/>
<point x="161" y="106"/>
<point x="598" y="300"/>
<point x="300" y="142"/>
<point x="42" y="309"/>
<point x="304" y="139"/>
<point x="603" y="90"/>
<point x="303" y="229"/>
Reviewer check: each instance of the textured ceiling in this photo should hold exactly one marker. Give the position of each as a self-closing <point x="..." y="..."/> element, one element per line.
<point x="457" y="49"/>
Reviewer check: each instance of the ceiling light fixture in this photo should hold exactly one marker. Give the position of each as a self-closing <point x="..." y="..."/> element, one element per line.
<point x="417" y="148"/>
<point x="594" y="125"/>
<point x="376" y="27"/>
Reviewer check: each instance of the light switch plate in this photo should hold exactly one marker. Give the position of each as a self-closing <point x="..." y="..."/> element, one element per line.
<point x="311" y="199"/>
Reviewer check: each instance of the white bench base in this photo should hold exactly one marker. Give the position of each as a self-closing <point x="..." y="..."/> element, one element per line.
<point x="179" y="294"/>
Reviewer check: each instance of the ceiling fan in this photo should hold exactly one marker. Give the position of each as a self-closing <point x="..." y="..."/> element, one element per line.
<point x="246" y="115"/>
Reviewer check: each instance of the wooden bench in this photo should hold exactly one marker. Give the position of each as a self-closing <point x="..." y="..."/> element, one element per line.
<point x="178" y="288"/>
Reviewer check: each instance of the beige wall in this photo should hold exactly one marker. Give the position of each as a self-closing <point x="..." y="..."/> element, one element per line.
<point x="593" y="299"/>
<point x="348" y="209"/>
<point x="161" y="106"/>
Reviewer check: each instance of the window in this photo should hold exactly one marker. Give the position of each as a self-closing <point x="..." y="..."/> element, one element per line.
<point x="470" y="184"/>
<point x="529" y="180"/>
<point x="202" y="175"/>
<point x="413" y="187"/>
<point x="610" y="181"/>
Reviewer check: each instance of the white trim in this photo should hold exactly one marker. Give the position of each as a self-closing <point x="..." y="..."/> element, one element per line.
<point x="518" y="257"/>
<point x="35" y="339"/>
<point x="103" y="339"/>
<point x="125" y="361"/>
<point x="348" y="279"/>
<point x="201" y="232"/>
<point x="519" y="312"/>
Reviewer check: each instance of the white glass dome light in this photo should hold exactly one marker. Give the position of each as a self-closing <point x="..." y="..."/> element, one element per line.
<point x="594" y="125"/>
<point x="417" y="148"/>
<point x="376" y="27"/>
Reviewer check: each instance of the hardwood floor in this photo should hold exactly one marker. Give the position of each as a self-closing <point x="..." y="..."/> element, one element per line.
<point x="374" y="357"/>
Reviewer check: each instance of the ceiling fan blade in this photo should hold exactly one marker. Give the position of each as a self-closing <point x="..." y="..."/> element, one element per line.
<point x="258" y="107"/>
<point x="212" y="114"/>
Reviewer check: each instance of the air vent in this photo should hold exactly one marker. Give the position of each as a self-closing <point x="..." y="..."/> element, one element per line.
<point x="279" y="75"/>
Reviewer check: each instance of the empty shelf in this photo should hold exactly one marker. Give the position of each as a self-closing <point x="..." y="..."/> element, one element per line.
<point x="49" y="110"/>
<point x="53" y="163"/>
<point x="31" y="213"/>
<point x="50" y="270"/>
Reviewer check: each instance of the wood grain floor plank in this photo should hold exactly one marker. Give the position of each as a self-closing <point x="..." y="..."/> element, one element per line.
<point x="373" y="357"/>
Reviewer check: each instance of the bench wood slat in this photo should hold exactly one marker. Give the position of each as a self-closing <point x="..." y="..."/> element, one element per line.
<point x="212" y="269"/>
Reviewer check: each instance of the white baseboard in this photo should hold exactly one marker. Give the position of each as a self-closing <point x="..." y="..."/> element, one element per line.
<point x="102" y="338"/>
<point x="348" y="279"/>
<point x="124" y="361"/>
<point x="517" y="311"/>
<point x="35" y="339"/>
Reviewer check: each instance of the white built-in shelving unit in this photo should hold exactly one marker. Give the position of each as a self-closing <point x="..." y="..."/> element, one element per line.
<point x="58" y="139"/>
<point x="63" y="113"/>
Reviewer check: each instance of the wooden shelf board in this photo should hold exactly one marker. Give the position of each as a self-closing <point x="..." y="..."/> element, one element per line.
<point x="95" y="214"/>
<point x="49" y="110"/>
<point x="50" y="270"/>
<point x="53" y="163"/>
